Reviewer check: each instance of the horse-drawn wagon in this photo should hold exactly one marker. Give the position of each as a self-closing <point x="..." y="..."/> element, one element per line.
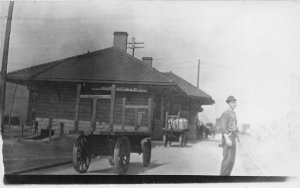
<point x="114" y="140"/>
<point x="175" y="129"/>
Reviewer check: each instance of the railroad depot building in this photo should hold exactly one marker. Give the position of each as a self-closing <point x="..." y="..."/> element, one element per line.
<point x="68" y="91"/>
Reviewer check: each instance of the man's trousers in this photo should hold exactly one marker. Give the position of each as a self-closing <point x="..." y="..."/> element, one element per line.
<point x="229" y="153"/>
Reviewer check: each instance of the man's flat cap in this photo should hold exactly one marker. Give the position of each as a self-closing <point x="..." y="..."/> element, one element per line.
<point x="230" y="98"/>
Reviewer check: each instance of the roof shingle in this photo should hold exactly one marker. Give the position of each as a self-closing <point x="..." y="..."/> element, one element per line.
<point x="109" y="64"/>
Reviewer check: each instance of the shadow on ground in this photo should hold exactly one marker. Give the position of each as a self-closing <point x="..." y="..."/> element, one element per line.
<point x="174" y="144"/>
<point x="189" y="144"/>
<point x="178" y="146"/>
<point x="134" y="169"/>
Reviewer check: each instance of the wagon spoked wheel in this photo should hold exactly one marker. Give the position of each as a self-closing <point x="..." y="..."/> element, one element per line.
<point x="165" y="141"/>
<point x="81" y="156"/>
<point x="122" y="155"/>
<point x="146" y="153"/>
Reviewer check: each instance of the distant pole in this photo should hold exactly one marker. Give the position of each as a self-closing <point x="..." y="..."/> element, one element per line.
<point x="133" y="45"/>
<point x="4" y="64"/>
<point x="216" y="111"/>
<point x="198" y="73"/>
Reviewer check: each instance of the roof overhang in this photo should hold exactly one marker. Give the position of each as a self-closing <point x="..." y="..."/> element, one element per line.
<point x="35" y="81"/>
<point x="202" y="100"/>
<point x="196" y="99"/>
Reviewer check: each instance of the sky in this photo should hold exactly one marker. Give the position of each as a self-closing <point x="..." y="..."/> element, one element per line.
<point x="248" y="49"/>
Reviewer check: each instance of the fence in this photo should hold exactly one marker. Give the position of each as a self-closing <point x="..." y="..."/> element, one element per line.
<point x="51" y="128"/>
<point x="33" y="128"/>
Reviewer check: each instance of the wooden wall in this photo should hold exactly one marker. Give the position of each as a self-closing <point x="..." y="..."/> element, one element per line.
<point x="192" y="133"/>
<point x="59" y="103"/>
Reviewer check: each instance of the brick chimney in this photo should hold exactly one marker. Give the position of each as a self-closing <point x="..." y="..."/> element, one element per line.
<point x="120" y="40"/>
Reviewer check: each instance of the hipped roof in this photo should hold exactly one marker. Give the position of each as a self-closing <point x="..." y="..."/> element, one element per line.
<point x="109" y="65"/>
<point x="190" y="89"/>
<point x="106" y="65"/>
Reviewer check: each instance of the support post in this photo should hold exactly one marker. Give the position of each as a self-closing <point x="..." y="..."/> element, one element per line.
<point x="36" y="127"/>
<point x="77" y="107"/>
<point x="162" y="109"/>
<point x="190" y="111"/>
<point x="149" y="114"/>
<point x="166" y="123"/>
<point x="135" y="119"/>
<point x="123" y="113"/>
<point x="4" y="65"/>
<point x="22" y="130"/>
<point x="62" y="132"/>
<point x="93" y="120"/>
<point x="50" y="128"/>
<point x="112" y="104"/>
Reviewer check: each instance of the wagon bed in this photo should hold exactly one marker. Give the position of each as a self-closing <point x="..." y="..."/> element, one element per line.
<point x="120" y="132"/>
<point x="116" y="141"/>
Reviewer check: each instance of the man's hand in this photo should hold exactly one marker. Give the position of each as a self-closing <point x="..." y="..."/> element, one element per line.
<point x="228" y="141"/>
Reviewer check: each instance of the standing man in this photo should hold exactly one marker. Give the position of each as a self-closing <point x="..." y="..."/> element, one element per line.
<point x="228" y="128"/>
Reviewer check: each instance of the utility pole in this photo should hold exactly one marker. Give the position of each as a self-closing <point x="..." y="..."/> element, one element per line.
<point x="4" y="64"/>
<point x="198" y="73"/>
<point x="133" y="45"/>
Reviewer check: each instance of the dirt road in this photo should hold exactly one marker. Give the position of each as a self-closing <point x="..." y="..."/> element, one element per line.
<point x="198" y="158"/>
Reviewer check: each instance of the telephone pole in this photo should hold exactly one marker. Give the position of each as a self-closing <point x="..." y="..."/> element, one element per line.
<point x="133" y="45"/>
<point x="198" y="73"/>
<point x="4" y="64"/>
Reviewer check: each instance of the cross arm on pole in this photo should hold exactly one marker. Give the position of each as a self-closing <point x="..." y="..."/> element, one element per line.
<point x="133" y="45"/>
